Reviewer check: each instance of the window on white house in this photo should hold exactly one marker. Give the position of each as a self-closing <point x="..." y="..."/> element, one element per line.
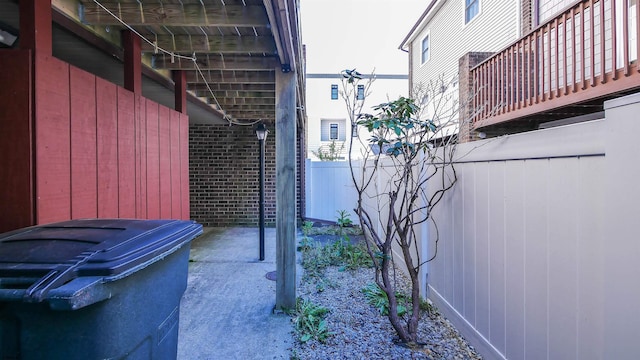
<point x="333" y="132"/>
<point x="334" y="92"/>
<point x="333" y="129"/>
<point x="360" y="92"/>
<point x="425" y="49"/>
<point x="471" y="9"/>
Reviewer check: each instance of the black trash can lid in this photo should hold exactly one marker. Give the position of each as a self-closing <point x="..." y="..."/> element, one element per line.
<point x="56" y="253"/>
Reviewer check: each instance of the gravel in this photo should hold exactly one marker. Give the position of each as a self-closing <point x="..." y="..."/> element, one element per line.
<point x="360" y="332"/>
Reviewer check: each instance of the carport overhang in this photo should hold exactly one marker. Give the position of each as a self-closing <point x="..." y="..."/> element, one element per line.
<point x="246" y="51"/>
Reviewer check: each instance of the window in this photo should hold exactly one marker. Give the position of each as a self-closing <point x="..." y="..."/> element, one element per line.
<point x="333" y="133"/>
<point x="333" y="129"/>
<point x="334" y="92"/>
<point x="425" y="49"/>
<point x="471" y="8"/>
<point x="360" y="92"/>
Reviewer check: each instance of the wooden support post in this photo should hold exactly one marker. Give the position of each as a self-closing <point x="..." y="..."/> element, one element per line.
<point x="35" y="26"/>
<point x="285" y="190"/>
<point x="132" y="62"/>
<point x="180" y="90"/>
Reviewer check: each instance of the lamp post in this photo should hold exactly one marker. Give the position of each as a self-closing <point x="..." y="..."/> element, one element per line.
<point x="261" y="133"/>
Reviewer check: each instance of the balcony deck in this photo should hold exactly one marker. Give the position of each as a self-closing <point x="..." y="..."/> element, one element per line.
<point x="566" y="67"/>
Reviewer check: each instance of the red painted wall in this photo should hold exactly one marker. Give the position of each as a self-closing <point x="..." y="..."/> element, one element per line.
<point x="17" y="207"/>
<point x="90" y="148"/>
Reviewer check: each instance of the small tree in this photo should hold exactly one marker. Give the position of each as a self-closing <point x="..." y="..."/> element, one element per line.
<point x="410" y="152"/>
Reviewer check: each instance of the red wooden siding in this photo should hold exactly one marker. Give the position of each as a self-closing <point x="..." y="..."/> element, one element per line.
<point x="84" y="187"/>
<point x="165" y="158"/>
<point x="107" y="141"/>
<point x="53" y="145"/>
<point x="184" y="165"/>
<point x="99" y="150"/>
<point x="126" y="154"/>
<point x="176" y="203"/>
<point x="153" y="161"/>
<point x="16" y="177"/>
<point x="141" y="157"/>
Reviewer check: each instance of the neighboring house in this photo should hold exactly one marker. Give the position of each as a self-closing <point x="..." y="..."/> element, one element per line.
<point x="328" y="121"/>
<point x="536" y="61"/>
<point x="443" y="34"/>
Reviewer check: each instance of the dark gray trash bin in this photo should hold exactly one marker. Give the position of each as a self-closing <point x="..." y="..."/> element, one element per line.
<point x="93" y="289"/>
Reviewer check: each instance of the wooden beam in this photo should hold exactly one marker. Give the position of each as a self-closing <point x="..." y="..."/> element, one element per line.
<point x="132" y="62"/>
<point x="247" y="101"/>
<point x="180" y="91"/>
<point x="238" y="87"/>
<point x="35" y="26"/>
<point x="247" y="94"/>
<point x="249" y="108"/>
<point x="217" y="62"/>
<point x="217" y="76"/>
<point x="254" y="116"/>
<point x="286" y="190"/>
<point x="225" y="44"/>
<point x="138" y="14"/>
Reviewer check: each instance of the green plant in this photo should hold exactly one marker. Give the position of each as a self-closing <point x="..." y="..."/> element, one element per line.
<point x="306" y="228"/>
<point x="310" y="321"/>
<point x="317" y="257"/>
<point x="344" y="219"/>
<point x="378" y="299"/>
<point x="332" y="152"/>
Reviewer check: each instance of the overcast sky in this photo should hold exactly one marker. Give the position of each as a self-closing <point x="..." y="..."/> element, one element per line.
<point x="362" y="34"/>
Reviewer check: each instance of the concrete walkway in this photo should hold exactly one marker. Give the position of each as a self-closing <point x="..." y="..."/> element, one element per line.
<point x="226" y="311"/>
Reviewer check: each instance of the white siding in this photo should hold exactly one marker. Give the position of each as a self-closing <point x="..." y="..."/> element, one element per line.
<point x="320" y="106"/>
<point x="450" y="39"/>
<point x="325" y="129"/>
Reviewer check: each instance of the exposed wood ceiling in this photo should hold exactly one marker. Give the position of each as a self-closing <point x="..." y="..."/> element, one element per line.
<point x="238" y="46"/>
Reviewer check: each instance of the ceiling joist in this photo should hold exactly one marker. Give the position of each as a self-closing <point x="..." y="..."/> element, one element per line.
<point x="247" y="102"/>
<point x="174" y="14"/>
<point x="241" y="87"/>
<point x="244" y="77"/>
<point x="217" y="62"/>
<point x="220" y="95"/>
<point x="187" y="44"/>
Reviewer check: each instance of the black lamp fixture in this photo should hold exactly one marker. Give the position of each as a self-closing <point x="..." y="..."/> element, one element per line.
<point x="261" y="133"/>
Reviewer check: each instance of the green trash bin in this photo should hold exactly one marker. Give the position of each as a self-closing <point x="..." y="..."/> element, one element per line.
<point x="93" y="289"/>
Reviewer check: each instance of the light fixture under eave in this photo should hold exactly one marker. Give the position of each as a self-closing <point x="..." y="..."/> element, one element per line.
<point x="261" y="131"/>
<point x="7" y="39"/>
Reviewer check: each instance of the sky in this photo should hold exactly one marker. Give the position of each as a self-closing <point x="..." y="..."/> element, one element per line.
<point x="361" y="34"/>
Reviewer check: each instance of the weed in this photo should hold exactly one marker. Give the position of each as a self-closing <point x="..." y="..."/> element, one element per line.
<point x="316" y="257"/>
<point x="378" y="299"/>
<point x="306" y="228"/>
<point x="310" y="321"/>
<point x="344" y="219"/>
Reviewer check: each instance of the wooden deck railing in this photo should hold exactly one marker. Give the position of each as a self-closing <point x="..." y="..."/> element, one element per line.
<point x="588" y="51"/>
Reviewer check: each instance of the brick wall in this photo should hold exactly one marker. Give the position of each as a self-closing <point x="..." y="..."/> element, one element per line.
<point x="466" y="63"/>
<point x="224" y="171"/>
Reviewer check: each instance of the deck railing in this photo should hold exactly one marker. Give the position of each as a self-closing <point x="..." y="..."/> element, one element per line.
<point x="588" y="51"/>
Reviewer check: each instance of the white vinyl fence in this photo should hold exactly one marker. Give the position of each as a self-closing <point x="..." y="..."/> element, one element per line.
<point x="538" y="253"/>
<point x="539" y="248"/>
<point x="329" y="189"/>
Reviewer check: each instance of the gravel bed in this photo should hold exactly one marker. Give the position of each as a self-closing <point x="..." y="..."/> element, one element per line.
<point x="360" y="332"/>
